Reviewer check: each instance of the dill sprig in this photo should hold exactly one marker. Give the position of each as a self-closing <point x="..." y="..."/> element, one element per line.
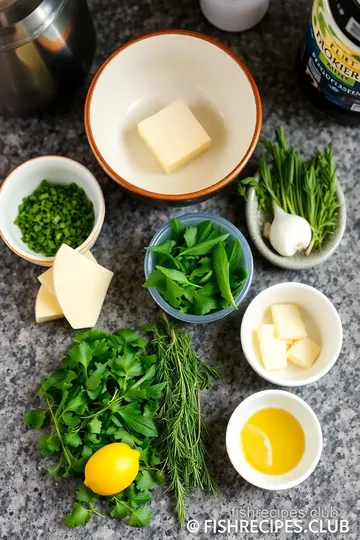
<point x="182" y="444"/>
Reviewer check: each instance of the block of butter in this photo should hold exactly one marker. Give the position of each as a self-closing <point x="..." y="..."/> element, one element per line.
<point x="304" y="352"/>
<point x="273" y="350"/>
<point x="174" y="135"/>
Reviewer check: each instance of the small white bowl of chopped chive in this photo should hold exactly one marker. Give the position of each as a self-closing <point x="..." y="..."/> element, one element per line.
<point x="198" y="268"/>
<point x="295" y="208"/>
<point x="49" y="201"/>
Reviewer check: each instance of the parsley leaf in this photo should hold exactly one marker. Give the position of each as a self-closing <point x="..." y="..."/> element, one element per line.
<point x="78" y="404"/>
<point x="205" y="304"/>
<point x="124" y="436"/>
<point x="144" y="481"/>
<point x="132" y="337"/>
<point x="81" y="353"/>
<point x="78" y="516"/>
<point x="72" y="439"/>
<point x="140" y="517"/>
<point x="128" y="365"/>
<point x="35" y="418"/>
<point x="84" y="494"/>
<point x="70" y="420"/>
<point x="120" y="510"/>
<point x="45" y="448"/>
<point x="95" y="425"/>
<point x="94" y="380"/>
<point x="135" y="421"/>
<point x="172" y="292"/>
<point x="104" y="392"/>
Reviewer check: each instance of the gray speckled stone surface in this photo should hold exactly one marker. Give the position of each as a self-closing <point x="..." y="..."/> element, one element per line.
<point x="32" y="503"/>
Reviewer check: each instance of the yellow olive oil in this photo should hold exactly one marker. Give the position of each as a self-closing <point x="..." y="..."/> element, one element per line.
<point x="273" y="441"/>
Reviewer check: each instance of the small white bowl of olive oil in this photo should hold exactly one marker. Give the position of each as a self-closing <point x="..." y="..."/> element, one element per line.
<point x="274" y="440"/>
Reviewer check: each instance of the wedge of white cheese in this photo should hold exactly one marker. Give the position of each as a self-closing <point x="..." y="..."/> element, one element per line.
<point x="80" y="287"/>
<point x="47" y="278"/>
<point x="304" y="352"/>
<point x="288" y="322"/>
<point x="47" y="308"/>
<point x="174" y="135"/>
<point x="273" y="350"/>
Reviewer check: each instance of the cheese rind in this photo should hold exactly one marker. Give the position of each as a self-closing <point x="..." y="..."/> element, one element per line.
<point x="288" y="322"/>
<point x="47" y="308"/>
<point x="273" y="350"/>
<point x="80" y="287"/>
<point x="47" y="278"/>
<point x="174" y="135"/>
<point x="304" y="352"/>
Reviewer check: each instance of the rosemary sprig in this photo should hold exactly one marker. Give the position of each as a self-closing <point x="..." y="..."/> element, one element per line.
<point x="184" y="436"/>
<point x="304" y="188"/>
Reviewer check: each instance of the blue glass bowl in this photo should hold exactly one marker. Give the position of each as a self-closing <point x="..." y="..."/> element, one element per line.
<point x="193" y="220"/>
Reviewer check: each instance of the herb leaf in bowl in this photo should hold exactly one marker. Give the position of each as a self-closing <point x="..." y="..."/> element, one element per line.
<point x="199" y="269"/>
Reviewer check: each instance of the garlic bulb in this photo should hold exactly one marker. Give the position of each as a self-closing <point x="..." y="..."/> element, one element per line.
<point x="289" y="233"/>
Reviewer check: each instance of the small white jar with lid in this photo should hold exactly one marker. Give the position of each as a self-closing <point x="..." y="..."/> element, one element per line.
<point x="234" y="15"/>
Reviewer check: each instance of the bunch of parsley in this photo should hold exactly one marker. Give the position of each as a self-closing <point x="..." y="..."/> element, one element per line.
<point x="104" y="392"/>
<point x="199" y="270"/>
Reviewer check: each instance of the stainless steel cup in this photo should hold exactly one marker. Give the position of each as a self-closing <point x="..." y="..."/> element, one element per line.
<point x="46" y="50"/>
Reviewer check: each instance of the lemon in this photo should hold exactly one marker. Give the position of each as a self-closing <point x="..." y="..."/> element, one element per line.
<point x="112" y="469"/>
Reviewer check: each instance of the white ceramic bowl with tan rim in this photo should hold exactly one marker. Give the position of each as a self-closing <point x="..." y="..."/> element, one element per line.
<point x="23" y="181"/>
<point x="303" y="414"/>
<point x="148" y="73"/>
<point x="322" y="322"/>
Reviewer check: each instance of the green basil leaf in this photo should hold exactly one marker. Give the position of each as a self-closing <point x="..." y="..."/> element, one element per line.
<point x="175" y="275"/>
<point x="166" y="248"/>
<point x="154" y="280"/>
<point x="204" y="247"/>
<point x="206" y="278"/>
<point x="177" y="230"/>
<point x="234" y="252"/>
<point x="204" y="230"/>
<point x="210" y="289"/>
<point x="221" y="269"/>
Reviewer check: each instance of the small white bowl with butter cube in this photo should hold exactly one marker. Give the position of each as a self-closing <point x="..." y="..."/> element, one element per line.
<point x="291" y="334"/>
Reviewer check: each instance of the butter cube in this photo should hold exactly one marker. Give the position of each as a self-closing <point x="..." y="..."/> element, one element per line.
<point x="273" y="350"/>
<point x="288" y="322"/>
<point x="304" y="352"/>
<point x="174" y="135"/>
